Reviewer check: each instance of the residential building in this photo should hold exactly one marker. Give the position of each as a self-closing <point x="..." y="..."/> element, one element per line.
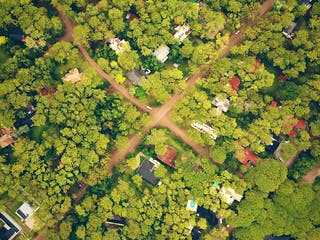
<point x="116" y="221"/>
<point x="26" y="210"/>
<point x="192" y="205"/>
<point x="72" y="76"/>
<point x="169" y="157"/>
<point x="9" y="228"/>
<point x="228" y="195"/>
<point x="222" y="105"/>
<point x="247" y="157"/>
<point x="145" y="170"/>
<point x="161" y="53"/>
<point x="117" y="45"/>
<point x="276" y="140"/>
<point x="182" y="32"/>
<point x="204" y="128"/>
<point x="289" y="32"/>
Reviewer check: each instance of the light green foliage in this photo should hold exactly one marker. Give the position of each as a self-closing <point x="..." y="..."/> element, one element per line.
<point x="268" y="175"/>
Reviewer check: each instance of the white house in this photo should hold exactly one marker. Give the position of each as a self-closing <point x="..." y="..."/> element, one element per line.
<point x="161" y="53"/>
<point x="204" y="128"/>
<point x="26" y="210"/>
<point x="117" y="45"/>
<point x="182" y="32"/>
<point x="228" y="195"/>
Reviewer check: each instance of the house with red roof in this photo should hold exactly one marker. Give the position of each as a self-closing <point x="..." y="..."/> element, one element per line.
<point x="273" y="103"/>
<point x="234" y="82"/>
<point x="300" y="125"/>
<point x="247" y="157"/>
<point x="169" y="157"/>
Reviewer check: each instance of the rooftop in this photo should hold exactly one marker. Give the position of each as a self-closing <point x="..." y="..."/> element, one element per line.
<point x="204" y="128"/>
<point x="134" y="76"/>
<point x="161" y="53"/>
<point x="228" y="195"/>
<point x="117" y="45"/>
<point x="182" y="32"/>
<point x="116" y="221"/>
<point x="247" y="157"/>
<point x="169" y="156"/>
<point x="10" y="227"/>
<point x="145" y="170"/>
<point x="72" y="76"/>
<point x="289" y="32"/>
<point x="26" y="210"/>
<point x="196" y="233"/>
<point x="222" y="105"/>
<point x="234" y="82"/>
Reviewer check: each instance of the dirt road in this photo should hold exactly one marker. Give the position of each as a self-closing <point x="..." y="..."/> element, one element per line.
<point x="236" y="39"/>
<point x="160" y="116"/>
<point x="310" y="177"/>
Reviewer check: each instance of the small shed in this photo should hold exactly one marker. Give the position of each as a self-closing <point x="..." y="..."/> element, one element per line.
<point x="228" y="195"/>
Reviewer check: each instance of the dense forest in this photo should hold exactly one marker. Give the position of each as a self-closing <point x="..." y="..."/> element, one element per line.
<point x="171" y="119"/>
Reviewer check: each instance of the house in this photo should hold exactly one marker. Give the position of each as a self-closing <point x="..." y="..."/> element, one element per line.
<point x="161" y="53"/>
<point x="169" y="157"/>
<point x="204" y="128"/>
<point x="222" y="105"/>
<point x="196" y="233"/>
<point x="72" y="76"/>
<point x="8" y="227"/>
<point x="7" y="137"/>
<point x="234" y="83"/>
<point x="26" y="210"/>
<point x="228" y="195"/>
<point x="116" y="221"/>
<point x="247" y="157"/>
<point x="273" y="103"/>
<point x="289" y="32"/>
<point x="208" y="215"/>
<point x="145" y="170"/>
<point x="182" y="32"/>
<point x="117" y="45"/>
<point x="135" y="76"/>
<point x="192" y="205"/>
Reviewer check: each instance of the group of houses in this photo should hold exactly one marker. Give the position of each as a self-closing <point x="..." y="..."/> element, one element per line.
<point x="9" y="228"/>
